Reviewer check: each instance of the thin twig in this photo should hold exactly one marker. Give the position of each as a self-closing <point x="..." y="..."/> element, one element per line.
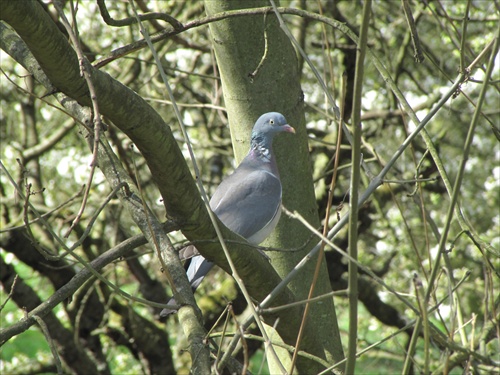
<point x="419" y="56"/>
<point x="50" y="342"/>
<point x="71" y="251"/>
<point x="465" y="22"/>
<point x="303" y="302"/>
<point x="71" y="286"/>
<point x="278" y="344"/>
<point x="356" y="157"/>
<point x="458" y="181"/>
<point x="85" y="72"/>
<point x="243" y="341"/>
<point x="264" y="55"/>
<point x="413" y="181"/>
<point x="94" y="217"/>
<point x="11" y="292"/>
<point x="45" y="215"/>
<point x="223" y="314"/>
<point x="133" y="20"/>
<point x="157" y="246"/>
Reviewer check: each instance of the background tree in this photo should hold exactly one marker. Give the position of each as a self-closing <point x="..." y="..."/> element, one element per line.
<point x="86" y="300"/>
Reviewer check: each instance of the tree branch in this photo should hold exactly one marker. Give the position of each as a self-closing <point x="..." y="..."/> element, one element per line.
<point x="74" y="356"/>
<point x="148" y="131"/>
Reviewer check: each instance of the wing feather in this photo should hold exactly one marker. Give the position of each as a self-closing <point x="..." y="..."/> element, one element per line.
<point x="247" y="201"/>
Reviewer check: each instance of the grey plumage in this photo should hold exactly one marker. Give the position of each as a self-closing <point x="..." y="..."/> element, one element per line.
<point x="248" y="201"/>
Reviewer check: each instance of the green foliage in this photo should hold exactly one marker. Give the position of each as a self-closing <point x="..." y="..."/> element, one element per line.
<point x="25" y="349"/>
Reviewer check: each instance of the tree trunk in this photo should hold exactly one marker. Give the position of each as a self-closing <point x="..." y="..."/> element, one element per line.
<point x="259" y="72"/>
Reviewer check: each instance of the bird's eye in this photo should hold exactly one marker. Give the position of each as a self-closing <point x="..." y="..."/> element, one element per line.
<point x="271" y="122"/>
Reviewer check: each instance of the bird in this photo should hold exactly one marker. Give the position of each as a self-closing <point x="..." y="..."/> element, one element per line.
<point x="248" y="201"/>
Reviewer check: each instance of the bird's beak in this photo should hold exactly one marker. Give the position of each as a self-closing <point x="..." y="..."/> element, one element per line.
<point x="288" y="129"/>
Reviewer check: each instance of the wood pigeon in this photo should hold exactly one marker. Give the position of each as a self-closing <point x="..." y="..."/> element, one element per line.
<point x="249" y="200"/>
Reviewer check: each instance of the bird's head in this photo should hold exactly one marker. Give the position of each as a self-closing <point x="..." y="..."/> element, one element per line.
<point x="268" y="125"/>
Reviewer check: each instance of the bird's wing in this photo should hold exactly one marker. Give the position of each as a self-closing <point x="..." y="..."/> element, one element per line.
<point x="248" y="201"/>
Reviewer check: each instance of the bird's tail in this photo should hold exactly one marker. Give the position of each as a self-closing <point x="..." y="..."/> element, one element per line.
<point x="196" y="272"/>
